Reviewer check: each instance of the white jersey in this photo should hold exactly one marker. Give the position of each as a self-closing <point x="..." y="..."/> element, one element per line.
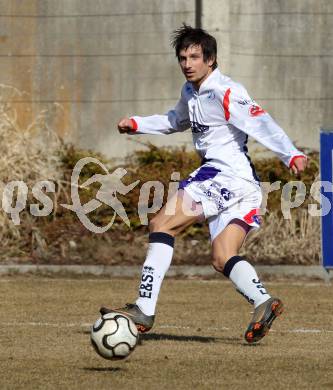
<point x="222" y="116"/>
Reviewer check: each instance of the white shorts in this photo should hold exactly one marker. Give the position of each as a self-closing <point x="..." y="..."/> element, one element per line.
<point x="223" y="198"/>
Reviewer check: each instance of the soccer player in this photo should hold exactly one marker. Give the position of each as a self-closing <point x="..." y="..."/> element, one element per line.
<point x="224" y="189"/>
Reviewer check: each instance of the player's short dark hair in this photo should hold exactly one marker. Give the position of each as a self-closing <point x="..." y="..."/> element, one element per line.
<point x="186" y="36"/>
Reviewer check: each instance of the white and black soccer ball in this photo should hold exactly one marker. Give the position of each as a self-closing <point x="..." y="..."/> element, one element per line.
<point x="114" y="336"/>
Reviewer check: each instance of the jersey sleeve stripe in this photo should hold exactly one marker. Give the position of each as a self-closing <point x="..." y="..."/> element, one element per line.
<point x="226" y="103"/>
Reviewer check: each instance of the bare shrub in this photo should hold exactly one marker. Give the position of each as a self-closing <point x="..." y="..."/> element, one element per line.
<point x="30" y="153"/>
<point x="286" y="241"/>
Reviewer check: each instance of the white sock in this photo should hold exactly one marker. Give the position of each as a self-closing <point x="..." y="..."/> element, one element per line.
<point x="246" y="280"/>
<point x="157" y="263"/>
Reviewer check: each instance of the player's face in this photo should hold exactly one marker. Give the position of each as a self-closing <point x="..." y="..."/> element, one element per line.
<point x="192" y="63"/>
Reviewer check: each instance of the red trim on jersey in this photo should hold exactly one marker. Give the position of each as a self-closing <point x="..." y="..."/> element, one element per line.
<point x="134" y="124"/>
<point x="248" y="218"/>
<point x="226" y="103"/>
<point x="293" y="160"/>
<point x="256" y="110"/>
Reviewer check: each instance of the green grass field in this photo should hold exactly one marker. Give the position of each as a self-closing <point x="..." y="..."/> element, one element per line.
<point x="197" y="342"/>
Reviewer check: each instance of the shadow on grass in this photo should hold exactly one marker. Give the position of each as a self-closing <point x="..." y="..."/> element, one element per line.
<point x="173" y="337"/>
<point x="83" y="331"/>
<point x="165" y="336"/>
<point x="254" y="345"/>
<point x="103" y="369"/>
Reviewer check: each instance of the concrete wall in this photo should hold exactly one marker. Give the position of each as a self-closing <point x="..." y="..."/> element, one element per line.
<point x="100" y="59"/>
<point x="103" y="59"/>
<point x="282" y="51"/>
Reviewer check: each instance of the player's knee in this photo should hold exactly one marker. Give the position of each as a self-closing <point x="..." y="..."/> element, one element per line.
<point x="157" y="225"/>
<point x="220" y="259"/>
<point x="170" y="224"/>
<point x="154" y="225"/>
<point x="218" y="262"/>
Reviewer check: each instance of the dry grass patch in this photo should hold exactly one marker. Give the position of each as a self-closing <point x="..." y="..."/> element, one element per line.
<point x="197" y="342"/>
<point x="30" y="154"/>
<point x="286" y="241"/>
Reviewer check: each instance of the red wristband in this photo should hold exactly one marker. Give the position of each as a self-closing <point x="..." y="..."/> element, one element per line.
<point x="134" y="124"/>
<point x="293" y="160"/>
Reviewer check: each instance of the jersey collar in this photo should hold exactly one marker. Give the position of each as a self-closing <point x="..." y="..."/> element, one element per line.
<point x="211" y="78"/>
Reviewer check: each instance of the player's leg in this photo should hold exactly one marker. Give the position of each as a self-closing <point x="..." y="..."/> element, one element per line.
<point x="225" y="249"/>
<point x="163" y="229"/>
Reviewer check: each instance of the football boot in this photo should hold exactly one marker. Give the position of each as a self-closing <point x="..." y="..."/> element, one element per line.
<point x="143" y="322"/>
<point x="262" y="319"/>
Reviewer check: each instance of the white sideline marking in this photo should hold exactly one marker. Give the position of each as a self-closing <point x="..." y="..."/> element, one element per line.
<point x="88" y="325"/>
<point x="309" y="331"/>
<point x="47" y="324"/>
<point x="224" y="328"/>
<point x="212" y="281"/>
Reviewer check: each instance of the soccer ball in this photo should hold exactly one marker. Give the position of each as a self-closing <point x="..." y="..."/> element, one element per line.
<point x="114" y="336"/>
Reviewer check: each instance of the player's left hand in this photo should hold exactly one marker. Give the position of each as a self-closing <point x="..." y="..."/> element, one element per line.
<point x="299" y="164"/>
